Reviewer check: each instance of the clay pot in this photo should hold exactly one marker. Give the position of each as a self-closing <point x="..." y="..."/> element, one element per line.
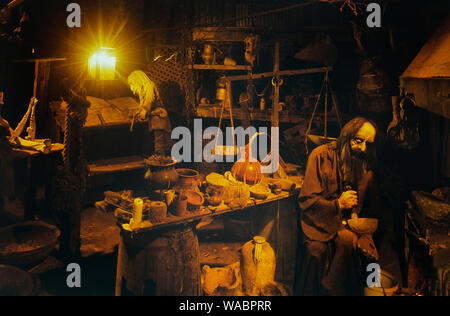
<point x="181" y="206"/>
<point x="187" y="178"/>
<point x="161" y="177"/>
<point x="158" y="212"/>
<point x="258" y="265"/>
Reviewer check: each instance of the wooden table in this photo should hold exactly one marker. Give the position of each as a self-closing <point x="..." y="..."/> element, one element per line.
<point x="144" y="252"/>
<point x="32" y="174"/>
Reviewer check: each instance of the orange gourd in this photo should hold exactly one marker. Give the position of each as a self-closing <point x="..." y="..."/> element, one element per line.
<point x="247" y="171"/>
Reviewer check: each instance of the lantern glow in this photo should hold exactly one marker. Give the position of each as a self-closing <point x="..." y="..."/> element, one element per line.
<point x="102" y="64"/>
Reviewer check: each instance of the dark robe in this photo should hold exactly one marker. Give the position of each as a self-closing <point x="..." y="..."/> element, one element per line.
<point x="329" y="262"/>
<point x="161" y="128"/>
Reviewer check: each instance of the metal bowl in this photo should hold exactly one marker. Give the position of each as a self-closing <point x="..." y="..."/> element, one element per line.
<point x="27" y="244"/>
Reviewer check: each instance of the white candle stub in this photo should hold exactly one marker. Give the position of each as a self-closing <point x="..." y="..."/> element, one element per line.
<point x="137" y="214"/>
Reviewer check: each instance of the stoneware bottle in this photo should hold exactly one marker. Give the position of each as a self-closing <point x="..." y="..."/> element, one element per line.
<point x="258" y="265"/>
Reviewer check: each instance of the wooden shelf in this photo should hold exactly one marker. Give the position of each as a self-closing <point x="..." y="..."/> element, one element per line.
<point x="122" y="164"/>
<point x="257" y="115"/>
<point x="220" y="67"/>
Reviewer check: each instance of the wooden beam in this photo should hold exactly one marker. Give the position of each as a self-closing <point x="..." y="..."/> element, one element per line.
<point x="219" y="67"/>
<point x="266" y="75"/>
<point x="39" y="60"/>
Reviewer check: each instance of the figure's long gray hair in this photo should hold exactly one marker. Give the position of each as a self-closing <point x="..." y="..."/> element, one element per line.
<point x="146" y="89"/>
<point x="351" y="168"/>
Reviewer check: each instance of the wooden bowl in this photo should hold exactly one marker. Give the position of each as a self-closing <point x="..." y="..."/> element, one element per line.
<point x="363" y="225"/>
<point x="28" y="243"/>
<point x="259" y="192"/>
<point x="194" y="200"/>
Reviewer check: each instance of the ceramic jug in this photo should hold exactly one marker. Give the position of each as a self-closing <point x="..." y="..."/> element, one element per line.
<point x="258" y="265"/>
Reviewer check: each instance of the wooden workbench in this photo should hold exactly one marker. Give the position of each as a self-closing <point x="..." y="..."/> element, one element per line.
<point x="145" y="259"/>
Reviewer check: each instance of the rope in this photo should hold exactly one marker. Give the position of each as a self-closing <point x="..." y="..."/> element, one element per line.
<point x="333" y="99"/>
<point x="220" y="123"/>
<point x="229" y="105"/>
<point x="314" y="114"/>
<point x="228" y="102"/>
<point x="352" y="6"/>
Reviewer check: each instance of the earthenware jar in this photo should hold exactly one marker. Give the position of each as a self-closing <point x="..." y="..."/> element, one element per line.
<point x="187" y="179"/>
<point x="161" y="177"/>
<point x="258" y="265"/>
<point x="181" y="206"/>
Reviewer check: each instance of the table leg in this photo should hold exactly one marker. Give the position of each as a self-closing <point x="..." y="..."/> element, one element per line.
<point x="119" y="272"/>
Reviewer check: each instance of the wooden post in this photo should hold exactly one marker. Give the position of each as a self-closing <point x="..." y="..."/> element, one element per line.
<point x="40" y="91"/>
<point x="276" y="81"/>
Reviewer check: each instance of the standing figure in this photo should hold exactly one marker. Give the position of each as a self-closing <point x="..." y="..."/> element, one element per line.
<point x="339" y="183"/>
<point x="152" y="108"/>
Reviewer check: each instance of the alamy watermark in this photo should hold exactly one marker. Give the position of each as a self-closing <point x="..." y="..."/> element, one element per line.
<point x="74" y="278"/>
<point x="74" y="18"/>
<point x="189" y="148"/>
<point x="374" y="278"/>
<point x="374" y="18"/>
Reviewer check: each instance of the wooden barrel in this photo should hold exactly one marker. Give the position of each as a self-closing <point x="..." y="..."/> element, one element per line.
<point x="159" y="263"/>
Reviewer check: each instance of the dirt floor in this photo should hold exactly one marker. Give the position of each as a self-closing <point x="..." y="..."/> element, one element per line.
<point x="99" y="245"/>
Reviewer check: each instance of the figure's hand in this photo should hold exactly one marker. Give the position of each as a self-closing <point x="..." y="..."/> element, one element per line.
<point x="142" y="115"/>
<point x="348" y="200"/>
<point x="160" y="112"/>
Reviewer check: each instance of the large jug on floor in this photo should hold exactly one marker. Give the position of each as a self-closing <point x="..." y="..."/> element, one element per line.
<point x="258" y="265"/>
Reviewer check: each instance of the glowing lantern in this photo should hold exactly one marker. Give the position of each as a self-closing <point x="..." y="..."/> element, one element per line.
<point x="102" y="64"/>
